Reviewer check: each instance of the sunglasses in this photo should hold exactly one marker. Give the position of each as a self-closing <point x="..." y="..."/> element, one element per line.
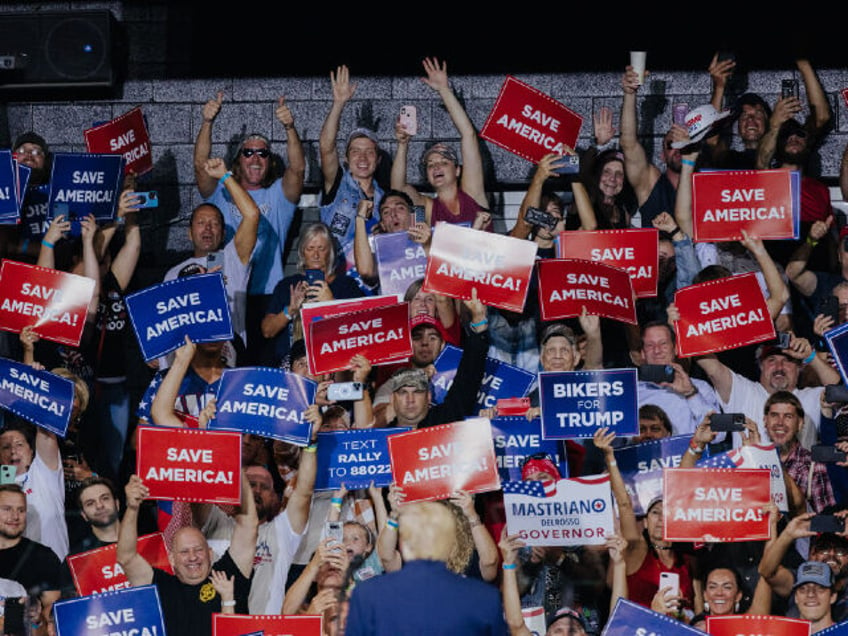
<point x="249" y="152"/>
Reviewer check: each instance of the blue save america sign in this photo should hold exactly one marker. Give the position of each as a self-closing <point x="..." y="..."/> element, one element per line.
<point x="87" y="184"/>
<point x="355" y="458"/>
<point x="641" y="466"/>
<point x="194" y="306"/>
<point x="400" y="262"/>
<point x="500" y="380"/>
<point x="37" y="396"/>
<point x="10" y="208"/>
<point x="135" y="611"/>
<point x="578" y="403"/>
<point x="266" y="402"/>
<point x="630" y="619"/>
<point x="516" y="439"/>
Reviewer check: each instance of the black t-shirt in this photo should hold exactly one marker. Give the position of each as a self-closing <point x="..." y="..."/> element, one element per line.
<point x="188" y="609"/>
<point x="32" y="564"/>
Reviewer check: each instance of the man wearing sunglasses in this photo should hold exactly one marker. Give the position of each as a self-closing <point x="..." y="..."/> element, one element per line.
<point x="277" y="199"/>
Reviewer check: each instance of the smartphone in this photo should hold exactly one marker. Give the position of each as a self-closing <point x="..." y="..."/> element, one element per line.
<point x="313" y="275"/>
<point x="829" y="306"/>
<point x="409" y="119"/>
<point x="783" y="339"/>
<point x="726" y="55"/>
<point x="513" y="406"/>
<point x="345" y="391"/>
<point x="788" y="88"/>
<point x="679" y="112"/>
<point x="334" y="530"/>
<point x="836" y="393"/>
<point x="672" y="580"/>
<point x="825" y="454"/>
<point x="827" y="523"/>
<point x="656" y="373"/>
<point x="420" y="214"/>
<point x="214" y="259"/>
<point x="149" y="199"/>
<point x="727" y="422"/>
<point x="7" y="474"/>
<point x="568" y="164"/>
<point x="844" y="92"/>
<point x="540" y="218"/>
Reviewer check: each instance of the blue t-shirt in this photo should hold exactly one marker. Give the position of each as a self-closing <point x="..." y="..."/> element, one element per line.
<point x="277" y="214"/>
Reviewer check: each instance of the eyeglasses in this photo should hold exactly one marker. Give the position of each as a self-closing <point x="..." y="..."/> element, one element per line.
<point x="249" y="152"/>
<point x="34" y="152"/>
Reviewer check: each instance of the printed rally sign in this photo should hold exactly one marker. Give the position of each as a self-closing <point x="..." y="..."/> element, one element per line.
<point x="635" y="251"/>
<point x="312" y="312"/>
<point x="641" y="466"/>
<point x="498" y="266"/>
<point x="97" y="571"/>
<point x="735" y="625"/>
<point x="754" y="456"/>
<point x="577" y="403"/>
<point x="716" y="505"/>
<point x="400" y="261"/>
<point x="764" y="203"/>
<point x="631" y="619"/>
<point x="380" y="334"/>
<point x="10" y="200"/>
<point x="500" y="380"/>
<point x="721" y="314"/>
<point x="239" y="625"/>
<point x="125" y="135"/>
<point x="54" y="303"/>
<point x="568" y="285"/>
<point x="354" y="458"/>
<point x="87" y="184"/>
<point x="266" y="402"/>
<point x="194" y="306"/>
<point x="190" y="465"/>
<point x="838" y="343"/>
<point x="433" y="463"/>
<point x="571" y="512"/>
<point x="516" y="439"/>
<point x="531" y="124"/>
<point x="37" y="396"/>
<point x="133" y="611"/>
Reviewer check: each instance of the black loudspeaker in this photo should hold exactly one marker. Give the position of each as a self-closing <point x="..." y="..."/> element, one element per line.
<point x="55" y="50"/>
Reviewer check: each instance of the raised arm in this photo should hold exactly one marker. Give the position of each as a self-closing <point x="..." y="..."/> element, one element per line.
<point x="245" y="532"/>
<point x="803" y="279"/>
<point x="245" y="237"/>
<point x="641" y="173"/>
<point x="363" y="415"/>
<point x="471" y="180"/>
<point x="398" y="174"/>
<point x="509" y="546"/>
<point x="343" y="90"/>
<point x="591" y="326"/>
<point x="296" y="170"/>
<point x="784" y="110"/>
<point x="90" y="262"/>
<point x="588" y="220"/>
<point x="362" y="254"/>
<point x="55" y="233"/>
<point x="125" y="261"/>
<point x="138" y="570"/>
<point x="820" y="112"/>
<point x="778" y="292"/>
<point x="483" y="542"/>
<point x="770" y="568"/>
<point x="203" y="146"/>
<point x="387" y="540"/>
<point x="533" y="196"/>
<point x="300" y="499"/>
<point x="162" y="408"/>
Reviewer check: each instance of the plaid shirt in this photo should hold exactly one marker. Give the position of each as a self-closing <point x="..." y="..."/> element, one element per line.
<point x="798" y="464"/>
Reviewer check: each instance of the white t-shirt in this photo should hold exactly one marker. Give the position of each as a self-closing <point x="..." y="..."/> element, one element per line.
<point x="275" y="548"/>
<point x="45" y="493"/>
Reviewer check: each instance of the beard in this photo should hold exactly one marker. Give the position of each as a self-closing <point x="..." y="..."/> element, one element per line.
<point x="104" y="523"/>
<point x="12" y="535"/>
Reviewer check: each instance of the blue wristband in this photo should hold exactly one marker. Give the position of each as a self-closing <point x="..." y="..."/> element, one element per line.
<point x="226" y="176"/>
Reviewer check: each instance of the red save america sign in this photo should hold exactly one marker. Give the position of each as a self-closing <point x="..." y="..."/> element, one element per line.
<point x="531" y="124"/>
<point x="97" y="571"/>
<point x="238" y="625"/>
<point x="433" y="463"/>
<point x="190" y="465"/>
<point x="54" y="303"/>
<point x="635" y="251"/>
<point x="765" y="203"/>
<point x="716" y="504"/>
<point x="721" y="314"/>
<point x="568" y="285"/>
<point x="751" y="625"/>
<point x="380" y="334"/>
<point x="311" y="312"/>
<point x="125" y="135"/>
<point x="499" y="267"/>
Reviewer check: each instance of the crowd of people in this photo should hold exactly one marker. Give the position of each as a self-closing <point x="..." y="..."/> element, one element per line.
<point x="451" y="566"/>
